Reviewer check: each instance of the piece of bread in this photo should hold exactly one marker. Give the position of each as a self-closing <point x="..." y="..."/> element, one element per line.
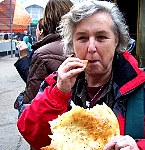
<point x="85" y="62"/>
<point x="83" y="129"/>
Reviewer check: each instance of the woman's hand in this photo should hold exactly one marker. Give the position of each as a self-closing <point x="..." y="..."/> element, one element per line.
<point x="68" y="72"/>
<point x="122" y="143"/>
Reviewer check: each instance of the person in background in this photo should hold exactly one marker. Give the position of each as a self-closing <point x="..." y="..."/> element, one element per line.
<point x="39" y="36"/>
<point x="6" y="36"/>
<point x="29" y="49"/>
<point x="49" y="56"/>
<point x="39" y="30"/>
<point x="48" y="53"/>
<point x="95" y="31"/>
<point x="23" y="63"/>
<point x="17" y="39"/>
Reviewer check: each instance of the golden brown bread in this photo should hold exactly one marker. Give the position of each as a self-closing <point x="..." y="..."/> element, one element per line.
<point x="83" y="129"/>
<point x="47" y="148"/>
<point x="85" y="62"/>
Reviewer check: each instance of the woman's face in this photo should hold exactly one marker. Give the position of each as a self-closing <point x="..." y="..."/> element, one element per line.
<point x="94" y="40"/>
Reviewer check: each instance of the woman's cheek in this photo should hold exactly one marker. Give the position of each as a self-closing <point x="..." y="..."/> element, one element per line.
<point x="80" y="52"/>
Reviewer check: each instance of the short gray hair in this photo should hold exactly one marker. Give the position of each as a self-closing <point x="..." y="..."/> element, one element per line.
<point x="85" y="9"/>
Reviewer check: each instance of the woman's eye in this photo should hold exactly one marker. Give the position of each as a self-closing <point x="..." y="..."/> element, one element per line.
<point x="101" y="38"/>
<point x="83" y="39"/>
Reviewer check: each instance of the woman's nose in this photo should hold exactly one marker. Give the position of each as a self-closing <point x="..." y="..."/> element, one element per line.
<point x="91" y="46"/>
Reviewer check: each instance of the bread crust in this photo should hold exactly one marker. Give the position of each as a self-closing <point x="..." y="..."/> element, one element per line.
<point x="85" y="62"/>
<point x="81" y="129"/>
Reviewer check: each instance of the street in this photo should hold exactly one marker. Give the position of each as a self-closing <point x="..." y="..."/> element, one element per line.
<point x="10" y="86"/>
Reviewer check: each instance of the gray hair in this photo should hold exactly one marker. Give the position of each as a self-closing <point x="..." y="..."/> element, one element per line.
<point x="85" y="9"/>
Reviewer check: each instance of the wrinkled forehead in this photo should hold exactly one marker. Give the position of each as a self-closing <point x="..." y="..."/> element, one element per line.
<point x="96" y="22"/>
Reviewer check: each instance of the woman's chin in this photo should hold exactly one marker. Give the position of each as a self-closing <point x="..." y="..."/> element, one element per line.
<point x="92" y="71"/>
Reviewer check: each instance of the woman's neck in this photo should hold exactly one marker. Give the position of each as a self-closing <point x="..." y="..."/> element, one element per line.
<point x="97" y="80"/>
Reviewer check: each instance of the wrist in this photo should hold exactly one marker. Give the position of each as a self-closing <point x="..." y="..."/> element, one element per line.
<point x="61" y="97"/>
<point x="64" y="90"/>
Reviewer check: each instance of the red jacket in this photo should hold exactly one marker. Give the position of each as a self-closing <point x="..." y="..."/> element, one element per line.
<point x="33" y="122"/>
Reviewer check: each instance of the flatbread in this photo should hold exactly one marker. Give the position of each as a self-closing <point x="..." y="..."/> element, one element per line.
<point x="82" y="129"/>
<point x="85" y="62"/>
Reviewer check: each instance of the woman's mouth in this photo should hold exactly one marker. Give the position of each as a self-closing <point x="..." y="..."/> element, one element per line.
<point x="92" y="61"/>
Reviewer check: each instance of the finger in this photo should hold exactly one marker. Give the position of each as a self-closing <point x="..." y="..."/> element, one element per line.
<point x="109" y="146"/>
<point x="124" y="144"/>
<point x="70" y="59"/>
<point x="126" y="148"/>
<point x="121" y="144"/>
<point x="126" y="141"/>
<point x="70" y="66"/>
<point x="74" y="72"/>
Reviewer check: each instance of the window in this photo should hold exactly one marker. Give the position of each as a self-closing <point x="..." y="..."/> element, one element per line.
<point x="35" y="11"/>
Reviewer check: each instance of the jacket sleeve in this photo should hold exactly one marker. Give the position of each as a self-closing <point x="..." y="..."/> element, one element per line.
<point x="22" y="66"/>
<point x="37" y="74"/>
<point x="33" y="122"/>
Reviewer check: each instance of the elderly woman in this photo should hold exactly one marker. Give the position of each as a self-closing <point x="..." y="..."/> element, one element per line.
<point x="93" y="31"/>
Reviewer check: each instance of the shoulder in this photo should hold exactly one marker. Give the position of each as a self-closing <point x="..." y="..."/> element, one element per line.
<point x="50" y="54"/>
<point x="53" y="47"/>
<point x="51" y="51"/>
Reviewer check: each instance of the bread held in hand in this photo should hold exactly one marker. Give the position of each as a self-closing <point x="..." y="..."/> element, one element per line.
<point x="83" y="129"/>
